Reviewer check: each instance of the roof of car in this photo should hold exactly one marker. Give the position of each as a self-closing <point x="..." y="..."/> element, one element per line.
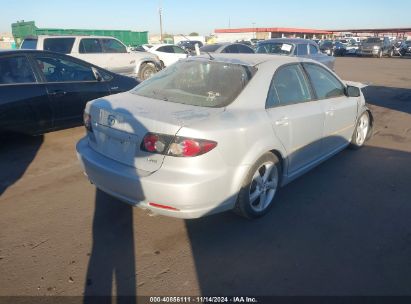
<point x="16" y="51"/>
<point x="249" y="59"/>
<point x="71" y="36"/>
<point x="288" y="40"/>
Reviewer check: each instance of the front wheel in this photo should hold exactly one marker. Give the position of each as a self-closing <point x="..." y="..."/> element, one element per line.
<point x="259" y="187"/>
<point x="147" y="71"/>
<point x="361" y="132"/>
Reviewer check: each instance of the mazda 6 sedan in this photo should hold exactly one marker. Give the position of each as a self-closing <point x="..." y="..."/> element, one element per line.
<point x="214" y="133"/>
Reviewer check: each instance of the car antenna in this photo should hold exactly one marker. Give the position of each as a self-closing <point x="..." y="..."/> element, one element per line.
<point x="211" y="57"/>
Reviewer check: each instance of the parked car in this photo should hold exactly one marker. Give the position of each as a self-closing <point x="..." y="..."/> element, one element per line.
<point x="168" y="53"/>
<point x="405" y="49"/>
<point x="141" y="48"/>
<point x="43" y="91"/>
<point x="326" y="47"/>
<point x="232" y="48"/>
<point x="189" y="45"/>
<point x="106" y="52"/>
<point x="376" y="47"/>
<point x="213" y="134"/>
<point x="352" y="47"/>
<point x="295" y="47"/>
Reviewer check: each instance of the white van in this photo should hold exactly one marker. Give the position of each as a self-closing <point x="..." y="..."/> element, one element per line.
<point x="106" y="52"/>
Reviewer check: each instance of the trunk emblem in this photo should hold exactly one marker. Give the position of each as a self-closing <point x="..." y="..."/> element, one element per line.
<point x="111" y="120"/>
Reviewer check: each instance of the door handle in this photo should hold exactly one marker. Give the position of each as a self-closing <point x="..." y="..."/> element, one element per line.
<point x="282" y="122"/>
<point x="58" y="93"/>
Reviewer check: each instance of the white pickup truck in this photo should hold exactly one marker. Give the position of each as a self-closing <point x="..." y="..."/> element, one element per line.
<point x="106" y="52"/>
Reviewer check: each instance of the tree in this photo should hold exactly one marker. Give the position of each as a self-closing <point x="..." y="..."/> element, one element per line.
<point x="194" y="34"/>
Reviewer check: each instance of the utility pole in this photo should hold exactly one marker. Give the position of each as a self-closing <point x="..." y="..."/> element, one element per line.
<point x="160" y="12"/>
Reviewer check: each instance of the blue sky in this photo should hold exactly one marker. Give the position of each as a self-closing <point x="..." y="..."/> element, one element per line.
<point x="206" y="15"/>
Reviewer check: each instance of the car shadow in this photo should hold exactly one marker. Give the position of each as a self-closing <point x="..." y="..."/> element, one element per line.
<point x="112" y="266"/>
<point x="16" y="154"/>
<point x="341" y="229"/>
<point x="398" y="99"/>
<point x="112" y="260"/>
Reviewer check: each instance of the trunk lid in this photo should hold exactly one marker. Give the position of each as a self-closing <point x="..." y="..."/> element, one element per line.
<point x="121" y="121"/>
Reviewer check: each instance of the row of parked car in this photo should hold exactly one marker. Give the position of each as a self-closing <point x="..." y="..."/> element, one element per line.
<point x="372" y="46"/>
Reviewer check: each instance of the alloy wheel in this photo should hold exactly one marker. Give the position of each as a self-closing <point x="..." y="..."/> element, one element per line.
<point x="263" y="186"/>
<point x="362" y="129"/>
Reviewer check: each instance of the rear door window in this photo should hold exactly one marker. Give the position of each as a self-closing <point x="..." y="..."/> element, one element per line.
<point x="245" y="49"/>
<point x="166" y="49"/>
<point x="289" y="86"/>
<point x="63" y="70"/>
<point x="324" y="83"/>
<point x="113" y="46"/>
<point x="90" y="45"/>
<point x="15" y="69"/>
<point x="59" y="45"/>
<point x="232" y="49"/>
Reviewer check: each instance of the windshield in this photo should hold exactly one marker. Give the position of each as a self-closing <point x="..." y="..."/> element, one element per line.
<point x="197" y="83"/>
<point x="373" y="40"/>
<point x="29" y="44"/>
<point x="275" y="48"/>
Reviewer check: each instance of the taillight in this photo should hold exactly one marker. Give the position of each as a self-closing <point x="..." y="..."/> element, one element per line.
<point x="178" y="146"/>
<point x="87" y="121"/>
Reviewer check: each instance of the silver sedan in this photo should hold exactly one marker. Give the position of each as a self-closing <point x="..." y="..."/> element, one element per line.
<point x="214" y="133"/>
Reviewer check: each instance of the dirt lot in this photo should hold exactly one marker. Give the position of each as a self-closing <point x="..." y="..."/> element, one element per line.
<point x="342" y="229"/>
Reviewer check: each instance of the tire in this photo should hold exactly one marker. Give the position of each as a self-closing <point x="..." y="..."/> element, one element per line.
<point x="259" y="187"/>
<point x="146" y="71"/>
<point x="362" y="131"/>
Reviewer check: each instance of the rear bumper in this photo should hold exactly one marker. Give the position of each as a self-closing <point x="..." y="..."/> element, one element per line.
<point x="194" y="195"/>
<point x="368" y="52"/>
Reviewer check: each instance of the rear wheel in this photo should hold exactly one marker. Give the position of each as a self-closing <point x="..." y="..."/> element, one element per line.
<point x="147" y="71"/>
<point x="361" y="132"/>
<point x="259" y="187"/>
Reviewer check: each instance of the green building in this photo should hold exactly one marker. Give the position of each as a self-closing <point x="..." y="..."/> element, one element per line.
<point x="22" y="29"/>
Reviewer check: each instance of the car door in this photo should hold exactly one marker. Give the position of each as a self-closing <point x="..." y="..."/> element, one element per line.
<point x="296" y="118"/>
<point x="24" y="103"/>
<point x="166" y="53"/>
<point x="70" y="85"/>
<point x="340" y="111"/>
<point x="179" y="53"/>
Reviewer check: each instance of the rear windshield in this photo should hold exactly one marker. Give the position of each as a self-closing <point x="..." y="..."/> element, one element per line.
<point x="275" y="48"/>
<point x="198" y="83"/>
<point x="373" y="40"/>
<point x="59" y="45"/>
<point x="29" y="44"/>
<point x="210" y="48"/>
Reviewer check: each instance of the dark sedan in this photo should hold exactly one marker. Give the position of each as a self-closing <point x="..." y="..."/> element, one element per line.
<point x="333" y="48"/>
<point x="43" y="91"/>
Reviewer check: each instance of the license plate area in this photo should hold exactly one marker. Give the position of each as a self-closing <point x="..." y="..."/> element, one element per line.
<point x="115" y="144"/>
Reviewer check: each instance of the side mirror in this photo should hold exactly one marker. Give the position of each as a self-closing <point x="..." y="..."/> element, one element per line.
<point x="353" y="91"/>
<point x="97" y="74"/>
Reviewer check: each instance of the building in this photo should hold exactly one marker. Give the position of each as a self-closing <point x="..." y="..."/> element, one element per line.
<point x="397" y="33"/>
<point x="7" y="41"/>
<point x="238" y="34"/>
